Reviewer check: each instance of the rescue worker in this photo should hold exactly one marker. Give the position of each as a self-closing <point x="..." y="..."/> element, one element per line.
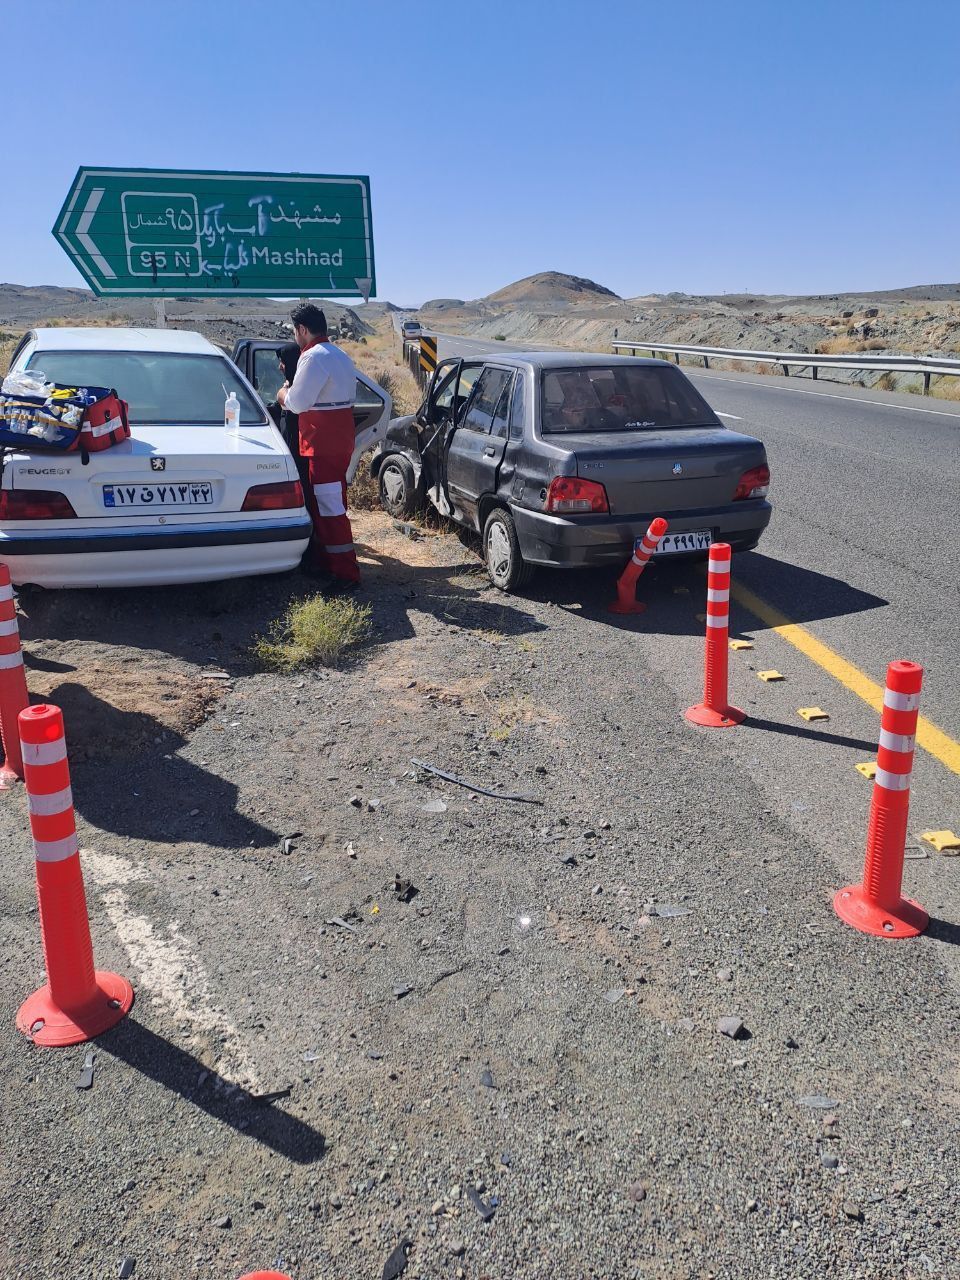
<point x="322" y="394"/>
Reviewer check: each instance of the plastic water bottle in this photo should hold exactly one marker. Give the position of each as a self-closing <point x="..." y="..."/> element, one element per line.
<point x="231" y="413"/>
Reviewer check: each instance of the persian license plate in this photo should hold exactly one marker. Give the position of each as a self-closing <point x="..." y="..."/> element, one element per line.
<point x="674" y="543"/>
<point x="196" y="493"/>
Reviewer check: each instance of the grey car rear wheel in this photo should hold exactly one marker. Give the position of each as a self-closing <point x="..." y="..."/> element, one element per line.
<point x="398" y="487"/>
<point x="501" y="550"/>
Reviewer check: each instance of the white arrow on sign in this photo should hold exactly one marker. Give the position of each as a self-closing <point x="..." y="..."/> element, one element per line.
<point x="83" y="227"/>
<point x="363" y="283"/>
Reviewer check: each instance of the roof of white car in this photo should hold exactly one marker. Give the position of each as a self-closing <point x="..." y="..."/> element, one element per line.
<point x="92" y="338"/>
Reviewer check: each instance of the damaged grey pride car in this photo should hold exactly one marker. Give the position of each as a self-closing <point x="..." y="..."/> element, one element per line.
<point x="562" y="459"/>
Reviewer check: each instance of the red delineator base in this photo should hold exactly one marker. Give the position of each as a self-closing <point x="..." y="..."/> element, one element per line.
<point x="113" y="1001"/>
<point x="618" y="606"/>
<point x="907" y="920"/>
<point x="711" y="719"/>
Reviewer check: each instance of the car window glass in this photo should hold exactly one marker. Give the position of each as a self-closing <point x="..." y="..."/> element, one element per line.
<point x="622" y="397"/>
<point x="268" y="377"/>
<point x="498" y="426"/>
<point x="367" y="398"/>
<point x="443" y="399"/>
<point x="171" y="387"/>
<point x="485" y="400"/>
<point x="517" y="409"/>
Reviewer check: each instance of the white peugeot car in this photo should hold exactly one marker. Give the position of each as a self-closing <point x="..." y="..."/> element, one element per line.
<point x="183" y="500"/>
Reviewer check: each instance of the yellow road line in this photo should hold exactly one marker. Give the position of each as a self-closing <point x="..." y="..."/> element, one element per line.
<point x="932" y="739"/>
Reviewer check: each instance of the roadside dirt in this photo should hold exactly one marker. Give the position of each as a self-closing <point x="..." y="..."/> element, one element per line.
<point x="366" y="997"/>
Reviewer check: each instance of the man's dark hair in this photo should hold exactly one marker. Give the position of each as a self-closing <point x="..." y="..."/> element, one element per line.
<point x="312" y="319"/>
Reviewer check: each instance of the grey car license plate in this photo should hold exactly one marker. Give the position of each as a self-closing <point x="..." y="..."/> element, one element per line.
<point x="677" y="543"/>
<point x="197" y="493"/>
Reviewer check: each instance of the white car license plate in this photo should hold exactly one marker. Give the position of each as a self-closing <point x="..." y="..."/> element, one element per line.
<point x="196" y="493"/>
<point x="672" y="543"/>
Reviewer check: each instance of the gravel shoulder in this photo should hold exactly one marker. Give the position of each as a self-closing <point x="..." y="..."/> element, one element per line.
<point x="536" y="1025"/>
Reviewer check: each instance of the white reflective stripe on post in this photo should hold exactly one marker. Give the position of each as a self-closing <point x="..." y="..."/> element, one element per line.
<point x="43" y="752"/>
<point x="339" y="551"/>
<point x="56" y="850"/>
<point x="11" y="660"/>
<point x="9" y="627"/>
<point x="329" y="498"/>
<point x="901" y="701"/>
<point x="718" y="597"/>
<point x="53" y="802"/>
<point x="897" y="741"/>
<point x="6" y="593"/>
<point x="634" y="559"/>
<point x="722" y="620"/>
<point x="892" y="781"/>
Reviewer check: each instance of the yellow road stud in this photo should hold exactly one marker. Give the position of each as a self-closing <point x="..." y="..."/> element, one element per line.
<point x="868" y="769"/>
<point x="741" y="644"/>
<point x="812" y="713"/>
<point x="942" y="841"/>
<point x="770" y="677"/>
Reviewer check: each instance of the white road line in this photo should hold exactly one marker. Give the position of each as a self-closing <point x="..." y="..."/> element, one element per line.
<point x="169" y="967"/>
<point x="826" y="395"/>
<point x="735" y="416"/>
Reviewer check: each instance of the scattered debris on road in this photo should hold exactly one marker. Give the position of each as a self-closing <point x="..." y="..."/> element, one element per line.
<point x="732" y="1027"/>
<point x="86" y="1071"/>
<point x="485" y="1210"/>
<point x="523" y="798"/>
<point x="819" y="1101"/>
<point x="396" y="1264"/>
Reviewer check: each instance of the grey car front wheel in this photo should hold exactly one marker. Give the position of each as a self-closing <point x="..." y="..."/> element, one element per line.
<point x="398" y="487"/>
<point x="501" y="550"/>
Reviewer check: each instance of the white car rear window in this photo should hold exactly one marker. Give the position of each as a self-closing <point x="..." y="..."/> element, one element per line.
<point x="160" y="387"/>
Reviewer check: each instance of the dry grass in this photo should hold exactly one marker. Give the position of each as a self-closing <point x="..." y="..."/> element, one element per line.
<point x="945" y="388"/>
<point x="314" y="632"/>
<point x="841" y="346"/>
<point x="886" y="382"/>
<point x="7" y="343"/>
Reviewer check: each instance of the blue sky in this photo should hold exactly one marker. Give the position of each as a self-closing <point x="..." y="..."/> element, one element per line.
<point x="806" y="147"/>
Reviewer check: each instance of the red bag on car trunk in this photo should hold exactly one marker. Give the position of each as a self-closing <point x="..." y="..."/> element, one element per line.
<point x="105" y="423"/>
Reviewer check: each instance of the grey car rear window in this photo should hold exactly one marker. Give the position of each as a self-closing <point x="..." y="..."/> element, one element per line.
<point x="620" y="398"/>
<point x="159" y="386"/>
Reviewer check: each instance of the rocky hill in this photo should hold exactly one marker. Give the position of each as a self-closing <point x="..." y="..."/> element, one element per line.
<point x="553" y="287"/>
<point x="561" y="310"/>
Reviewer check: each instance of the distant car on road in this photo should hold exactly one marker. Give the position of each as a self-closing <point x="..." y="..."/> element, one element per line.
<point x="411" y="330"/>
<point x="181" y="501"/>
<point x="562" y="459"/>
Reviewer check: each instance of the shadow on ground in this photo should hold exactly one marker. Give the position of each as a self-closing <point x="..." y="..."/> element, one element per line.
<point x="257" y="1118"/>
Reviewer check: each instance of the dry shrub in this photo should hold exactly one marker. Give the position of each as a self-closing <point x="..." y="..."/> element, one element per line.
<point x="364" y="493"/>
<point x="946" y="388"/>
<point x="886" y="382"/>
<point x="314" y="631"/>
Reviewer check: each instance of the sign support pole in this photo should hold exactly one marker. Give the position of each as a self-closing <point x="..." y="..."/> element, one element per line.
<point x="160" y="307"/>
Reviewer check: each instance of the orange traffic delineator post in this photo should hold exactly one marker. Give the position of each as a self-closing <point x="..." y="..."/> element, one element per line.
<point x="877" y="906"/>
<point x="715" y="711"/>
<point x="78" y="1001"/>
<point x="626" y="601"/>
<point x="13" y="684"/>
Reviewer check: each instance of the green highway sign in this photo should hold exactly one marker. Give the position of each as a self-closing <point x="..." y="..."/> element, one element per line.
<point x="156" y="233"/>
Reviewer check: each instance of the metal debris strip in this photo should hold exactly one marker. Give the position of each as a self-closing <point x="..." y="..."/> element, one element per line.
<point x="470" y="786"/>
<point x="339" y="920"/>
<point x="86" y="1071"/>
<point x="819" y="1101"/>
<point x="666" y="911"/>
<point x="485" y="1210"/>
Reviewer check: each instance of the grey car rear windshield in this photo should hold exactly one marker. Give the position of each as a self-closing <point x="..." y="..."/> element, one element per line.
<point x="620" y="398"/>
<point x="160" y="387"/>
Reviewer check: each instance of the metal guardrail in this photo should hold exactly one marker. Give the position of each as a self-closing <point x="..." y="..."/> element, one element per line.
<point x="927" y="366"/>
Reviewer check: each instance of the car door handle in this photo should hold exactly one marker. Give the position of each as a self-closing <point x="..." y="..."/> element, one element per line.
<point x="490" y="452"/>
